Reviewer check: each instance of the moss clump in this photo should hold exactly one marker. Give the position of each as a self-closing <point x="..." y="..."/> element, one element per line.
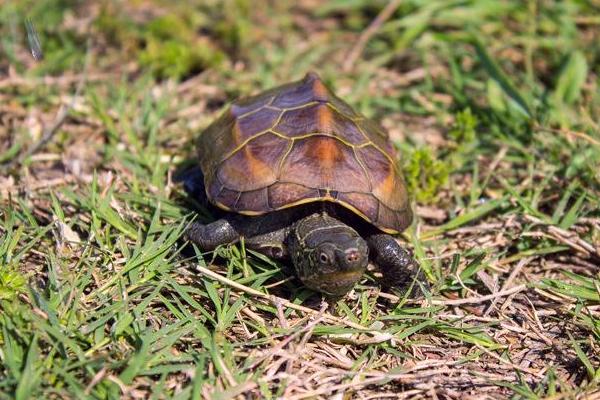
<point x="175" y="59"/>
<point x="174" y="50"/>
<point x="463" y="132"/>
<point x="168" y="46"/>
<point x="11" y="283"/>
<point x="425" y="175"/>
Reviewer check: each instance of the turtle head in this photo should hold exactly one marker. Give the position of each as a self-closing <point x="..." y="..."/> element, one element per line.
<point x="328" y="255"/>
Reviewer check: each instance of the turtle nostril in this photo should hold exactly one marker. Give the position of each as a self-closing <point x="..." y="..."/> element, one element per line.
<point x="352" y="256"/>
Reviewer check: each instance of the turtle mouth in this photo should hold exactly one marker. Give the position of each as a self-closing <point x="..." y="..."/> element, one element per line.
<point x="335" y="283"/>
<point x="343" y="276"/>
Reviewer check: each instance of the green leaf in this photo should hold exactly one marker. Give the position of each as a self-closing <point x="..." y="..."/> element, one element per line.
<point x="574" y="212"/>
<point x="476" y="337"/>
<point x="571" y="78"/>
<point x="30" y="376"/>
<point x="473" y="267"/>
<point x="584" y="359"/>
<point x="502" y="79"/>
<point x="466" y="218"/>
<point x="559" y="210"/>
<point x="495" y="97"/>
<point x="122" y="323"/>
<point x="136" y="362"/>
<point x="214" y="295"/>
<point x="10" y="153"/>
<point x="577" y="291"/>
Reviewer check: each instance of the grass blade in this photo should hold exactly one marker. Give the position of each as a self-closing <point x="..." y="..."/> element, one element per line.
<point x="502" y="79"/>
<point x="571" y="79"/>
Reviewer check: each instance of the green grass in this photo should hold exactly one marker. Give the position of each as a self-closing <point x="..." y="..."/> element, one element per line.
<point x="493" y="106"/>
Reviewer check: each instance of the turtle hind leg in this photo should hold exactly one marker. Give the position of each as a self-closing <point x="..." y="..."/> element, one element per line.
<point x="209" y="236"/>
<point x="193" y="184"/>
<point x="399" y="269"/>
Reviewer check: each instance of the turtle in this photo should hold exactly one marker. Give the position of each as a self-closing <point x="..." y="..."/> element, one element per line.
<point x="303" y="177"/>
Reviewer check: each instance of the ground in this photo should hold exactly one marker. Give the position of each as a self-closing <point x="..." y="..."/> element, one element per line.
<point x="494" y="109"/>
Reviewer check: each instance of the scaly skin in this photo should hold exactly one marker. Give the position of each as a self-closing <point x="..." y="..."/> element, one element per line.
<point x="328" y="255"/>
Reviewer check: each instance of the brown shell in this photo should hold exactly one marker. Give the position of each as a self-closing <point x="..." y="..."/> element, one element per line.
<point x="299" y="143"/>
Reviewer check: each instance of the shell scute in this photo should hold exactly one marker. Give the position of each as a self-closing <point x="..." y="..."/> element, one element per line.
<point x="386" y="182"/>
<point x="309" y="89"/>
<point x="255" y="165"/>
<point x="299" y="143"/>
<point x="319" y="118"/>
<point x="376" y="135"/>
<point x="256" y="123"/>
<point x="324" y="163"/>
<point x="254" y="200"/>
<point x="246" y="106"/>
<point x="283" y="194"/>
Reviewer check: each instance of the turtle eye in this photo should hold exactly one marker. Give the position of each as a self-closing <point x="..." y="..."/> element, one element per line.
<point x="276" y="252"/>
<point x="324" y="258"/>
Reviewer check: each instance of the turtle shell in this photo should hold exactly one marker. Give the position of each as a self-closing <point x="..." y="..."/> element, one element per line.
<point x="299" y="143"/>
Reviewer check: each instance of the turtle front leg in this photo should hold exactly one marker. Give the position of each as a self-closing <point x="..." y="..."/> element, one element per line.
<point x="209" y="236"/>
<point x="399" y="269"/>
